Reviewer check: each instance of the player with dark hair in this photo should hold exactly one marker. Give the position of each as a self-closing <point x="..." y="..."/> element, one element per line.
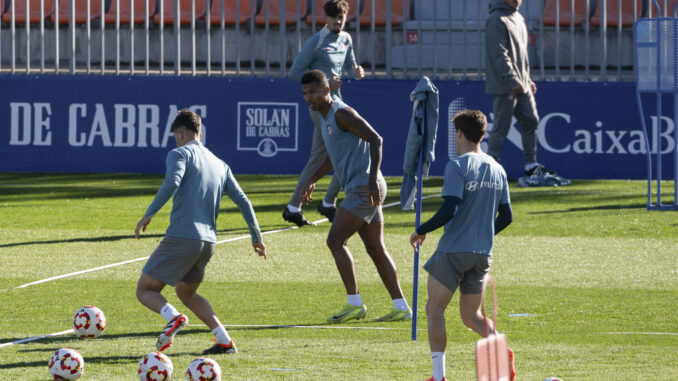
<point x="354" y="149"/>
<point x="196" y="179"/>
<point x="476" y="207"/>
<point x="331" y="51"/>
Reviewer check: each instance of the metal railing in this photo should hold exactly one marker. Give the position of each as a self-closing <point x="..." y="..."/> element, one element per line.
<point x="427" y="40"/>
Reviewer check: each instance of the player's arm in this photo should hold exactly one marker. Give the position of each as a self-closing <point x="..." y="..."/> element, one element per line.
<point x="442" y="217"/>
<point x="350" y="64"/>
<point x="307" y="191"/>
<point x="234" y="192"/>
<point x="176" y="166"/>
<point x="349" y="120"/>
<point x="504" y="218"/>
<point x="303" y="61"/>
<point x="496" y="43"/>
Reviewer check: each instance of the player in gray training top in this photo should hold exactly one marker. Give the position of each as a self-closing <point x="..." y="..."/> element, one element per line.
<point x="197" y="180"/>
<point x="331" y="51"/>
<point x="474" y="190"/>
<point x="354" y="149"/>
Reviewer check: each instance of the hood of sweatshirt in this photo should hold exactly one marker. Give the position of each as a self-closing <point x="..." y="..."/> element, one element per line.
<point x="500" y="5"/>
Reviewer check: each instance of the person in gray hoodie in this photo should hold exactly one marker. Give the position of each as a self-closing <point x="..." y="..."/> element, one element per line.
<point x="508" y="80"/>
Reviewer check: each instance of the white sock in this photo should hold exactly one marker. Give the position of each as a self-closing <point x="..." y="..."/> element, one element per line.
<point x="438" y="359"/>
<point x="328" y="205"/>
<point x="168" y="312"/>
<point x="293" y="209"/>
<point x="401" y="304"/>
<point x="530" y="166"/>
<point x="221" y="335"/>
<point x="354" y="300"/>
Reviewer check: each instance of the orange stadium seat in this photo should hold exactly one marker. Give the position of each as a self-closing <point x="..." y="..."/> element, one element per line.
<point x="613" y="10"/>
<point x="565" y="12"/>
<point x="80" y="11"/>
<point x="380" y="12"/>
<point x="670" y="5"/>
<point x="274" y="12"/>
<point x="20" y="11"/>
<point x="126" y="11"/>
<point x="184" y="11"/>
<point x="320" y="12"/>
<point x="230" y="11"/>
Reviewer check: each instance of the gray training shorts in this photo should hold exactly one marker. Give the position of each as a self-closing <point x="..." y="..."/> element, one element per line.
<point x="464" y="270"/>
<point x="179" y="259"/>
<point x="357" y="202"/>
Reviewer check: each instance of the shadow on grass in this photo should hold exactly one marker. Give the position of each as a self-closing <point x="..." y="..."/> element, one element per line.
<point x="88" y="239"/>
<point x="590" y="208"/>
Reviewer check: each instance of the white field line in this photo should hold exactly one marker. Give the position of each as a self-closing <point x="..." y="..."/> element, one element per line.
<point x="36" y="338"/>
<point x="144" y="258"/>
<point x="643" y="333"/>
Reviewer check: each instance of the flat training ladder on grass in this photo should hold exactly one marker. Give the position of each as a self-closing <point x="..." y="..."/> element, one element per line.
<point x="656" y="67"/>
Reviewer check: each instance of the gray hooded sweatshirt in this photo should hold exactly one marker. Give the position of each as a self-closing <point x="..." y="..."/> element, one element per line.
<point x="506" y="58"/>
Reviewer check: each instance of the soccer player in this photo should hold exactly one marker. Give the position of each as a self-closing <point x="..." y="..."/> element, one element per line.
<point x="476" y="206"/>
<point x="197" y="180"/>
<point x="331" y="51"/>
<point x="354" y="149"/>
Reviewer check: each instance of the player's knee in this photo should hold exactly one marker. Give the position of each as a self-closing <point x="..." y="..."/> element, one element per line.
<point x="184" y="294"/>
<point x="333" y="243"/>
<point x="470" y="319"/>
<point x="433" y="308"/>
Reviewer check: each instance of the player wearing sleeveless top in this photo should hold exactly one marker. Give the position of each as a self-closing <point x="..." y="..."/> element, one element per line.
<point x="354" y="149"/>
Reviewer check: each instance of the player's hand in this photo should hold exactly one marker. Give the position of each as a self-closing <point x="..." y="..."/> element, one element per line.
<point x="358" y="71"/>
<point x="417" y="238"/>
<point x="335" y="83"/>
<point x="518" y="89"/>
<point x="306" y="193"/>
<point x="141" y="226"/>
<point x="533" y="87"/>
<point x="260" y="249"/>
<point x="373" y="193"/>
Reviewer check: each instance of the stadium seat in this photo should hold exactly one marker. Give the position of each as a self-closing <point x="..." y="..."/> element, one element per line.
<point x="320" y="12"/>
<point x="230" y="11"/>
<point x="184" y="11"/>
<point x="274" y="12"/>
<point x="613" y="10"/>
<point x="380" y="12"/>
<point x="80" y="10"/>
<point x="20" y="11"/>
<point x="125" y="11"/>
<point x="565" y="12"/>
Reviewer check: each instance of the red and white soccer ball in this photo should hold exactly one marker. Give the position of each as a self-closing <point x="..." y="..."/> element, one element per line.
<point x="89" y="321"/>
<point x="155" y="367"/>
<point x="66" y="364"/>
<point x="203" y="369"/>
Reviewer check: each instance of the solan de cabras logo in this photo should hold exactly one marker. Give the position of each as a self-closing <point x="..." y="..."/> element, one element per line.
<point x="267" y="127"/>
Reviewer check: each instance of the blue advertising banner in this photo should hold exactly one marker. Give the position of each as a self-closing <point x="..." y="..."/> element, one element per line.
<point x="262" y="126"/>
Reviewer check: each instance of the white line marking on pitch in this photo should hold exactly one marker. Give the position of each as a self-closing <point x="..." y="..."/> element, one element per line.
<point x="36" y="338"/>
<point x="144" y="258"/>
<point x="643" y="333"/>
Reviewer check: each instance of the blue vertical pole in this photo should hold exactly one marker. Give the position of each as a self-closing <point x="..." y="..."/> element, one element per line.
<point x="417" y="222"/>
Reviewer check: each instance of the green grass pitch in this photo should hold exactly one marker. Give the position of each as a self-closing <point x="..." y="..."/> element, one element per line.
<point x="596" y="274"/>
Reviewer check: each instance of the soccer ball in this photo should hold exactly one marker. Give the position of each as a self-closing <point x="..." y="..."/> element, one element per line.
<point x="89" y="321"/>
<point x="552" y="379"/>
<point x="155" y="367"/>
<point x="66" y="364"/>
<point x="203" y="369"/>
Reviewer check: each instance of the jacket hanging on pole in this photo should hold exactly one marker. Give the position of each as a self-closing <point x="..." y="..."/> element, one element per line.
<point x="423" y="130"/>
